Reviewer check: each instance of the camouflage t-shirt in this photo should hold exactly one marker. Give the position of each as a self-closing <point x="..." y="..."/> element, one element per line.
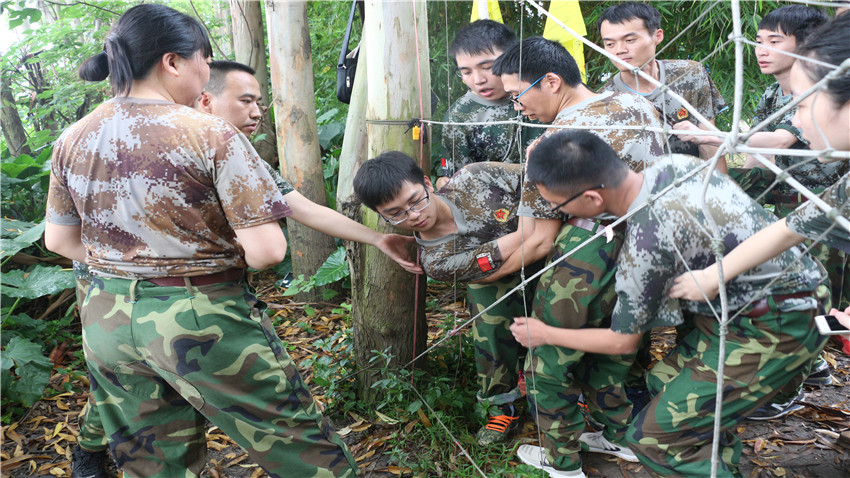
<point x="483" y="198"/>
<point x="809" y="171"/>
<point x="809" y="221"/>
<point x="159" y="189"/>
<point x="688" y="79"/>
<point x="615" y="113"/>
<point x="467" y="144"/>
<point x="671" y="232"/>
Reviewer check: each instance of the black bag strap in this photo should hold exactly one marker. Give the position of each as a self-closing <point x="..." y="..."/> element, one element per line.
<point x="347" y="37"/>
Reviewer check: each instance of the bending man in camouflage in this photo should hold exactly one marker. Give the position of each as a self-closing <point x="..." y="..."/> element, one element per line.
<point x="770" y="336"/>
<point x="579" y="291"/>
<point x="469" y="231"/>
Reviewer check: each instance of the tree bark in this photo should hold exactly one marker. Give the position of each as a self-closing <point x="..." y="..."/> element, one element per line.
<point x="298" y="143"/>
<point x="389" y="305"/>
<point x="249" y="48"/>
<point x="13" y="130"/>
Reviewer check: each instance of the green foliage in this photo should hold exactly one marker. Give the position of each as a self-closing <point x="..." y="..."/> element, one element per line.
<point x="24" y="372"/>
<point x="23" y="185"/>
<point x="333" y="269"/>
<point x="37" y="281"/>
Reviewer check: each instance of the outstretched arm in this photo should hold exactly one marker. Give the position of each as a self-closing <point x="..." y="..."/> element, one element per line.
<point x="760" y="247"/>
<point x="332" y="223"/>
<point x="531" y="242"/>
<point x="65" y="241"/>
<point x="531" y="332"/>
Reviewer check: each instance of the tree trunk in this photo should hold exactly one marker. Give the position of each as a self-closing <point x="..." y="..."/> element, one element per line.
<point x="295" y="115"/>
<point x="249" y="48"/>
<point x="389" y="305"/>
<point x="225" y="29"/>
<point x="13" y="130"/>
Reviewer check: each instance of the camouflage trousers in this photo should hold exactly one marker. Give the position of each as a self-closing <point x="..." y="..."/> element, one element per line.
<point x="163" y="358"/>
<point x="673" y="434"/>
<point x="577" y="293"/>
<point x="91" y="437"/>
<point x="498" y="356"/>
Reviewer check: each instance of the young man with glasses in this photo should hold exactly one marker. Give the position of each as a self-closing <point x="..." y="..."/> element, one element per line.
<point x="579" y="292"/>
<point x="631" y="31"/>
<point x="468" y="231"/>
<point x="474" y="49"/>
<point x="770" y="335"/>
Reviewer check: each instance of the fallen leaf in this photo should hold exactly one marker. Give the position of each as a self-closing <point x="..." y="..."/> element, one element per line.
<point x="365" y="455"/>
<point x="395" y="470"/>
<point x="425" y="421"/>
<point x="386" y="419"/>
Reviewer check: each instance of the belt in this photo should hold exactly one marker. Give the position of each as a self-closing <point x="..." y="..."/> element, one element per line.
<point x="761" y="306"/>
<point x="228" y="275"/>
<point x="588" y="225"/>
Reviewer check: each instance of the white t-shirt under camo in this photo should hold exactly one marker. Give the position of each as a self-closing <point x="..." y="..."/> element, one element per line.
<point x="483" y="198"/>
<point x="671" y="232"/>
<point x="615" y="114"/>
<point x="688" y="79"/>
<point x="159" y="189"/>
<point x="809" y="221"/>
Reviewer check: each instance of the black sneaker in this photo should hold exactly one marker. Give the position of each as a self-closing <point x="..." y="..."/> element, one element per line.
<point x="499" y="427"/>
<point x="769" y="411"/>
<point x="89" y="464"/>
<point x="819" y="376"/>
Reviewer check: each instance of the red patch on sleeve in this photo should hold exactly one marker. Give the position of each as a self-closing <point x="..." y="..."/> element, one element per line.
<point x="485" y="263"/>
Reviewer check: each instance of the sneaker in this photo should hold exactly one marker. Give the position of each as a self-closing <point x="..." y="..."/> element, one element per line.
<point x="536" y="457"/>
<point x="819" y="376"/>
<point x="772" y="410"/>
<point x="596" y="443"/>
<point x="500" y="427"/>
<point x="89" y="464"/>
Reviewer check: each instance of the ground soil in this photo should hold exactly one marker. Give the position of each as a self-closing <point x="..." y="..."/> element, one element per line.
<point x="808" y="443"/>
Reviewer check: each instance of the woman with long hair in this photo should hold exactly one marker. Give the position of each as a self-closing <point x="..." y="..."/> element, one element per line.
<point x="168" y="206"/>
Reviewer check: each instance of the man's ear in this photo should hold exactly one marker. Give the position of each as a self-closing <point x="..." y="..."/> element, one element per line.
<point x="658" y="36"/>
<point x="428" y="186"/>
<point x="553" y="82"/>
<point x="205" y="103"/>
<point x="596" y="196"/>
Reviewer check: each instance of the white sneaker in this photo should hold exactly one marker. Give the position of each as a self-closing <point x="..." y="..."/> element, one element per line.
<point x="536" y="457"/>
<point x="597" y="443"/>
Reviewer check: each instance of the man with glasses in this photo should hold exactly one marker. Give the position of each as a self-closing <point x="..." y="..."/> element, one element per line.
<point x="545" y="84"/>
<point x="474" y="49"/>
<point x="469" y="231"/>
<point x="770" y="335"/>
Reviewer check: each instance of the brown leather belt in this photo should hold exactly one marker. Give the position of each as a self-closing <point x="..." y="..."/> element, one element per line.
<point x="228" y="275"/>
<point x="587" y="224"/>
<point x="762" y="306"/>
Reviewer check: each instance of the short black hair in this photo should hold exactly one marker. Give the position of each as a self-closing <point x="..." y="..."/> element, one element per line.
<point x="482" y="36"/>
<point x="624" y="12"/>
<point x="380" y="179"/>
<point x="539" y="56"/>
<point x="794" y="20"/>
<point x="218" y="72"/>
<point x="571" y="160"/>
<point x="829" y="44"/>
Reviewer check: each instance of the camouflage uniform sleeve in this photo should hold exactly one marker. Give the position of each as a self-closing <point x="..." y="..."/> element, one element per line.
<point x="464" y="266"/>
<point x="643" y="279"/>
<point x="60" y="206"/>
<point x="809" y="221"/>
<point x="248" y="194"/>
<point x="716" y="103"/>
<point x="769" y="103"/>
<point x="456" y="150"/>
<point x="282" y="185"/>
<point x="532" y="204"/>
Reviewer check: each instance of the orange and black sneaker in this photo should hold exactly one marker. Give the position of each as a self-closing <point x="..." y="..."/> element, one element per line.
<point x="499" y="427"/>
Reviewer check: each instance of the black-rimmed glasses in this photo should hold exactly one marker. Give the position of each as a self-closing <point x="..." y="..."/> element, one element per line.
<point x="402" y="216"/>
<point x="559" y="206"/>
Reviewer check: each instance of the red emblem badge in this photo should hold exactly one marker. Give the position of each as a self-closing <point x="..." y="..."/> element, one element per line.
<point x="682" y="113"/>
<point x="501" y="215"/>
<point x="485" y="262"/>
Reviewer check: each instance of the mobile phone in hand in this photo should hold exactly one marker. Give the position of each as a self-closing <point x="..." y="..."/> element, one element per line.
<point x="829" y="325"/>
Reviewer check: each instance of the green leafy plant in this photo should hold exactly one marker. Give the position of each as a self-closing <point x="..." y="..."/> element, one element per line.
<point x="333" y="269"/>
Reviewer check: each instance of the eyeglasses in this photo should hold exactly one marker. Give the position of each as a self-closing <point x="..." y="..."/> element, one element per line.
<point x="559" y="206"/>
<point x="402" y="216"/>
<point x="515" y="99"/>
